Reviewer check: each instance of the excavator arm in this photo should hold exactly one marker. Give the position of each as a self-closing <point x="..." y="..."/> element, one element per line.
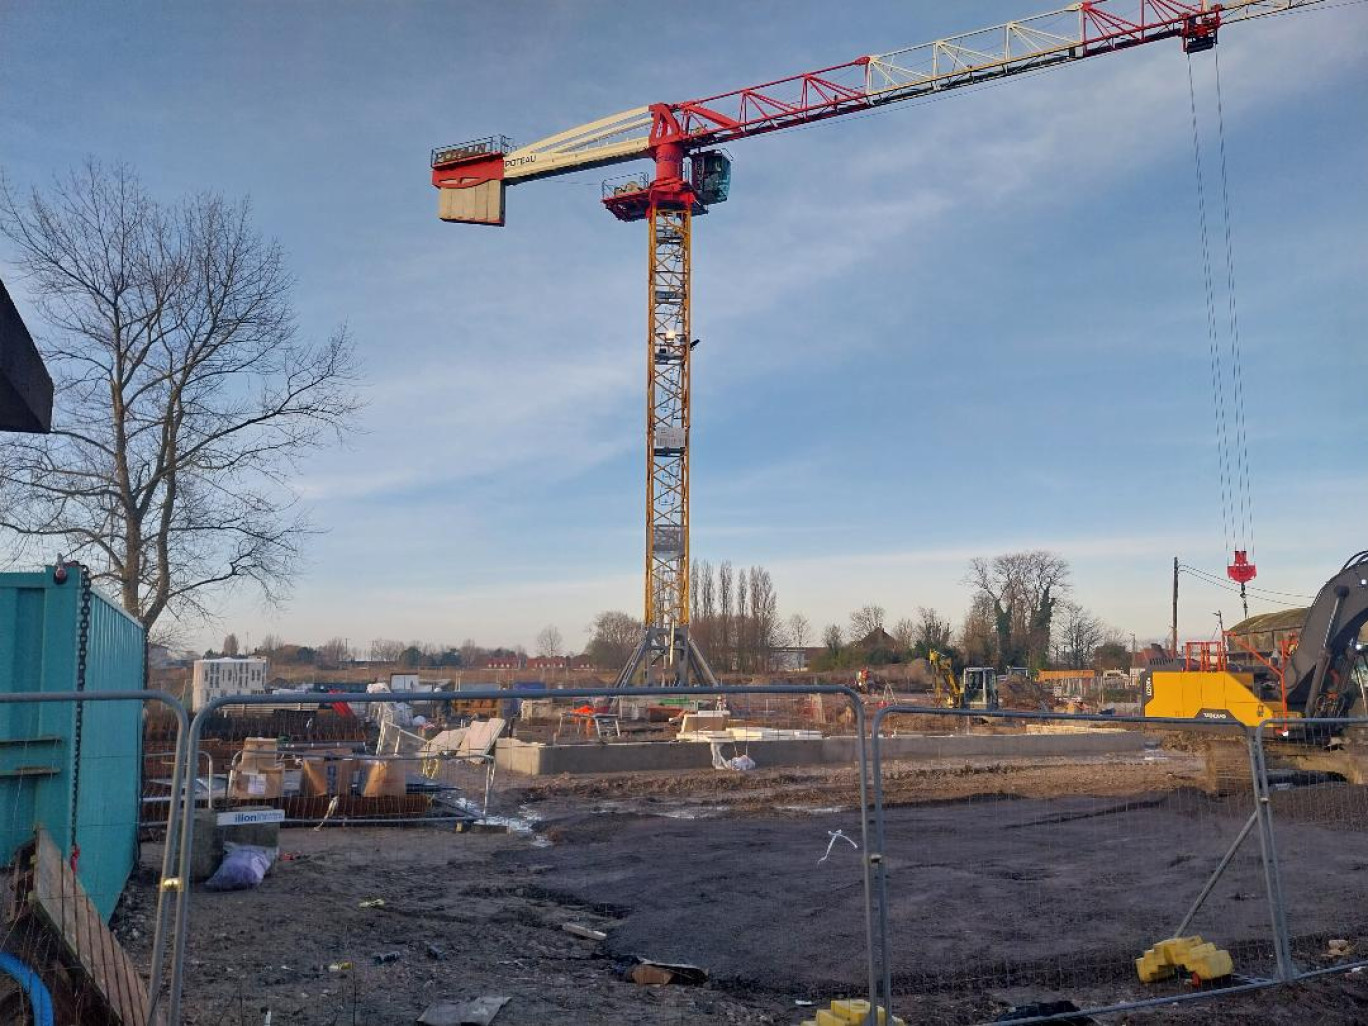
<point x="1319" y="675"/>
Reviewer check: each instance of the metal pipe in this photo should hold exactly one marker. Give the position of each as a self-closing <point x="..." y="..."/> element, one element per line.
<point x="1216" y="874"/>
<point x="1282" y="946"/>
<point x="488" y="694"/>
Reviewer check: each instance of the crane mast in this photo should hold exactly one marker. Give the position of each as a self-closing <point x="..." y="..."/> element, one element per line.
<point x="690" y="174"/>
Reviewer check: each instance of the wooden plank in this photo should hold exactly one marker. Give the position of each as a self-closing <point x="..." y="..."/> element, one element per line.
<point x="63" y="904"/>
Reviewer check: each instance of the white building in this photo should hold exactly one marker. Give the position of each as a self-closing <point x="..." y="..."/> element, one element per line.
<point x="215" y="678"/>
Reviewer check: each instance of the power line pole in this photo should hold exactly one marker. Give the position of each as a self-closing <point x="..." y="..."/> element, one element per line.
<point x="1173" y="636"/>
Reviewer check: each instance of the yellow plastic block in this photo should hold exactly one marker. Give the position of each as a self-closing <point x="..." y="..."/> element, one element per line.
<point x="825" y="1018"/>
<point x="851" y="1010"/>
<point x="1209" y="964"/>
<point x="1192" y="954"/>
<point x="808" y="1022"/>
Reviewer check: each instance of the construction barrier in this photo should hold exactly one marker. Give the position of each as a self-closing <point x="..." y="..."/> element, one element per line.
<point x="1129" y="863"/>
<point x="1108" y="882"/>
<point x="385" y="916"/>
<point x="1312" y="777"/>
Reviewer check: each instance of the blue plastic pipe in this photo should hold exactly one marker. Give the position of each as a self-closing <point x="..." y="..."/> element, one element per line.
<point x="39" y="998"/>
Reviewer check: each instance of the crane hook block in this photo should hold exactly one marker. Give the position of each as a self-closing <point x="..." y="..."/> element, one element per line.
<point x="1242" y="571"/>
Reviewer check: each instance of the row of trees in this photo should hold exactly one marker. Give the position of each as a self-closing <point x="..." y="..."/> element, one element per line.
<point x="1019" y="616"/>
<point x="866" y="640"/>
<point x="736" y="616"/>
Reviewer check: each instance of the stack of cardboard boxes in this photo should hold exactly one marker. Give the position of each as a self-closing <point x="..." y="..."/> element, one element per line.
<point x="260" y="773"/>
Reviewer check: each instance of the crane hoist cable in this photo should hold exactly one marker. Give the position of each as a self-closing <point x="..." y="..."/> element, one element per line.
<point x="1232" y="443"/>
<point x="1236" y="355"/>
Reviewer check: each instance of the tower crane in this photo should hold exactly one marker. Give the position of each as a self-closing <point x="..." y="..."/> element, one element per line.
<point x="690" y="173"/>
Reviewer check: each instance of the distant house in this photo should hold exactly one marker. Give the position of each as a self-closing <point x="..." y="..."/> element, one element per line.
<point x="582" y="662"/>
<point x="878" y="640"/>
<point x="1265" y="633"/>
<point x="1144" y="658"/>
<point x="217" y="678"/>
<point x="502" y="662"/>
<point x="548" y="663"/>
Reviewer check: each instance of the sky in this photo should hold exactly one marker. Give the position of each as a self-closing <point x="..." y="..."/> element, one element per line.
<point x="946" y="330"/>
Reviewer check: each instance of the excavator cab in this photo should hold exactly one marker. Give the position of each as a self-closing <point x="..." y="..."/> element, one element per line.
<point x="980" y="688"/>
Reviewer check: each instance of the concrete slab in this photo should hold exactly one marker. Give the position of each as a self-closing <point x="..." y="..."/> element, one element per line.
<point x="537" y="759"/>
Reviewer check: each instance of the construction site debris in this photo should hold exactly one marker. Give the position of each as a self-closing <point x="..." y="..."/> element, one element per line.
<point x="339" y="967"/>
<point x="244" y="866"/>
<point x="834" y="836"/>
<point x="1040" y="1009"/>
<point x="435" y="951"/>
<point x="371" y="903"/>
<point x="385" y="957"/>
<point x="1338" y="947"/>
<point x="742" y="763"/>
<point x="478" y="1011"/>
<point x="849" y="1011"/>
<point x="1198" y="957"/>
<point x="584" y="931"/>
<point x="48" y="894"/>
<point x="659" y="974"/>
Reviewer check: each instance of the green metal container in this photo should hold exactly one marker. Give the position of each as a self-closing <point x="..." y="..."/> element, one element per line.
<point x="39" y="762"/>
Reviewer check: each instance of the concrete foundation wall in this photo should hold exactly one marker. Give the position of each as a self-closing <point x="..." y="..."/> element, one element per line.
<point x="536" y="759"/>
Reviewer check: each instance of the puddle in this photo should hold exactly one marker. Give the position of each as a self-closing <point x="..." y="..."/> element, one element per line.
<point x="658" y="808"/>
<point x="522" y="823"/>
<point x="812" y="810"/>
<point x="693" y="812"/>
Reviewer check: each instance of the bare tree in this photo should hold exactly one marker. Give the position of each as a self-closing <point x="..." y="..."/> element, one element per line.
<point x="831" y="638"/>
<point x="1024" y="588"/>
<point x="269" y="645"/>
<point x="471" y="653"/>
<point x="333" y="653"/>
<point x="933" y="633"/>
<point x="799" y="629"/>
<point x="230" y="645"/>
<point x="865" y="621"/>
<point x="386" y="650"/>
<point x="764" y="617"/>
<point x="978" y="635"/>
<point x="1077" y="636"/>
<point x="549" y="642"/>
<point x="704" y="622"/>
<point x="744" y="647"/>
<point x="615" y="636"/>
<point x="905" y="634"/>
<point x="185" y="394"/>
<point x="724" y="651"/>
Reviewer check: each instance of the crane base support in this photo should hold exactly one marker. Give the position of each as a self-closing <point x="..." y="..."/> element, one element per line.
<point x="671" y="656"/>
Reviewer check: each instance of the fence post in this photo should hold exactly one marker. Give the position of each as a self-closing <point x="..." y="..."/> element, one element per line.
<point x="1258" y="766"/>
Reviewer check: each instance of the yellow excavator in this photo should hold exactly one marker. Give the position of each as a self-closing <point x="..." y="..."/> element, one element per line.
<point x="1323" y="675"/>
<point x="977" y="689"/>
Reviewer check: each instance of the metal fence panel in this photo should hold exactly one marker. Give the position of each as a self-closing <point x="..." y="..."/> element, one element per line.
<point x="1052" y="851"/>
<point x="1314" y="774"/>
<point x="348" y="854"/>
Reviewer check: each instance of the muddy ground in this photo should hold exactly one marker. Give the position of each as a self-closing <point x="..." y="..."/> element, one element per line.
<point x="1008" y="882"/>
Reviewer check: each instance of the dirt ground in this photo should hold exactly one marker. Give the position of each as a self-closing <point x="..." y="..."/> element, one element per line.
<point x="1008" y="883"/>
